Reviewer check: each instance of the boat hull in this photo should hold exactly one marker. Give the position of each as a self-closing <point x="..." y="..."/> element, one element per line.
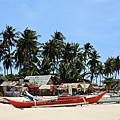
<point x="51" y="103"/>
<point x="63" y="101"/>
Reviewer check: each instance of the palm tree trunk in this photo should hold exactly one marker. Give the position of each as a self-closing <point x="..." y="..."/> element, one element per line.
<point x="4" y="71"/>
<point x="11" y="70"/>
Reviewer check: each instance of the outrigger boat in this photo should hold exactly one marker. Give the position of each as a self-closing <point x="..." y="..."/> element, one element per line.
<point x="60" y="101"/>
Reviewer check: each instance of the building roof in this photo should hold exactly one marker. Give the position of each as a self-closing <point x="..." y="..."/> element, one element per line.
<point x="117" y="87"/>
<point x="40" y="80"/>
<point x="10" y="83"/>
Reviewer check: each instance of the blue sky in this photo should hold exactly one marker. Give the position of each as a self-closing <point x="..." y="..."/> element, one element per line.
<point x="80" y="21"/>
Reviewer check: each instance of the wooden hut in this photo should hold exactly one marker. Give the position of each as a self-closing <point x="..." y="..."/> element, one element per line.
<point x="116" y="87"/>
<point x="45" y="83"/>
<point x="11" y="88"/>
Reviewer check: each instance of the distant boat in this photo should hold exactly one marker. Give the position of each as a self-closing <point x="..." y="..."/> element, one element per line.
<point x="110" y="98"/>
<point x="109" y="101"/>
<point x="60" y="101"/>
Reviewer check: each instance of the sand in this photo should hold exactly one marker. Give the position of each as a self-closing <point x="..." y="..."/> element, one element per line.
<point x="85" y="112"/>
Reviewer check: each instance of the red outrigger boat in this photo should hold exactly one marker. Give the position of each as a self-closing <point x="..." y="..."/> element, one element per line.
<point x="61" y="101"/>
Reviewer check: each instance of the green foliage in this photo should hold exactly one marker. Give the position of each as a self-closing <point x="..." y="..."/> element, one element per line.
<point x="9" y="76"/>
<point x="110" y="82"/>
<point x="68" y="61"/>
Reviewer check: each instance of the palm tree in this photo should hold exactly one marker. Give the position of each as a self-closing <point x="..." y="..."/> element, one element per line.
<point x="8" y="62"/>
<point x="93" y="63"/>
<point x="58" y="37"/>
<point x="116" y="65"/>
<point x="9" y="37"/>
<point x="70" y="52"/>
<point x="66" y="53"/>
<point x="27" y="48"/>
<point x="9" y="40"/>
<point x="87" y="50"/>
<point x="45" y="67"/>
<point x="70" y="72"/>
<point x="18" y="56"/>
<point x="64" y="72"/>
<point x="1" y="51"/>
<point x="100" y="69"/>
<point x="28" y="43"/>
<point x="52" y="49"/>
<point x="108" y="67"/>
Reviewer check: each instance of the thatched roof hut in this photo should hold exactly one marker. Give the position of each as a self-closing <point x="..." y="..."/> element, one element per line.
<point x="11" y="83"/>
<point x="41" y="80"/>
<point x="116" y="87"/>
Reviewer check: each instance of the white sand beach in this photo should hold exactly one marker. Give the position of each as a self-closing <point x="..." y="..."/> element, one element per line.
<point x="85" y="112"/>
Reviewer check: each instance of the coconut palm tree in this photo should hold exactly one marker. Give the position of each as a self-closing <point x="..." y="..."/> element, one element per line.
<point x="64" y="72"/>
<point x="45" y="67"/>
<point x="70" y="51"/>
<point x="18" y="56"/>
<point x="52" y="48"/>
<point x="8" y="62"/>
<point x="87" y="50"/>
<point x="108" y="67"/>
<point x="93" y="63"/>
<point x="9" y="40"/>
<point x="28" y="43"/>
<point x="70" y="72"/>
<point x="1" y="51"/>
<point x="116" y="66"/>
<point x="100" y="70"/>
<point x="26" y="48"/>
